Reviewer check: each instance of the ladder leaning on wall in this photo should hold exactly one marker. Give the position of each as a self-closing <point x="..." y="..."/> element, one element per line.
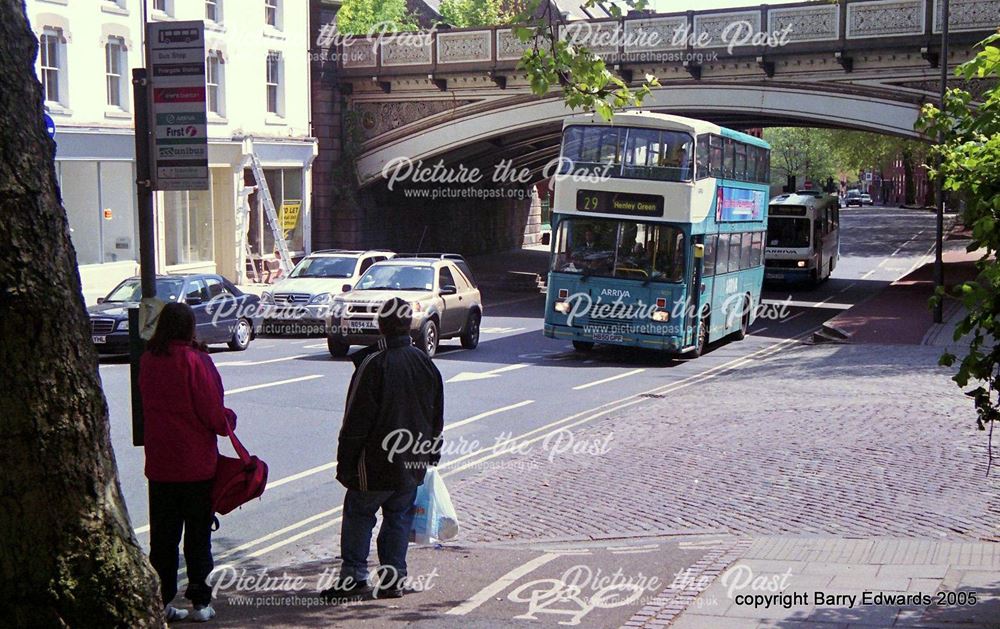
<point x="269" y="211"/>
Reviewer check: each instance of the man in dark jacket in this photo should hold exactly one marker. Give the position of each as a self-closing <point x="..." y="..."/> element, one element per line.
<point x="391" y="433"/>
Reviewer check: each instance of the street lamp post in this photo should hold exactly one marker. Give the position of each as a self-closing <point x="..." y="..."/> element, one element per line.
<point x="938" y="254"/>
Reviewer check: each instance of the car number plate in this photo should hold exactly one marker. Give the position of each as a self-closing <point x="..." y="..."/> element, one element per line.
<point x="608" y="337"/>
<point x="100" y="340"/>
<point x="773" y="276"/>
<point x="363" y="324"/>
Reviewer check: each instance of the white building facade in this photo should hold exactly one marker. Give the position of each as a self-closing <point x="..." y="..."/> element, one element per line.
<point x="258" y="88"/>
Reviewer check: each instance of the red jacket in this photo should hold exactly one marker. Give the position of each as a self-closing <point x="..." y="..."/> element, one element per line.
<point x="182" y="406"/>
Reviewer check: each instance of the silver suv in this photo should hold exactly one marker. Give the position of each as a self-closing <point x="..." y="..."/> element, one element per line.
<point x="440" y="288"/>
<point x="304" y="298"/>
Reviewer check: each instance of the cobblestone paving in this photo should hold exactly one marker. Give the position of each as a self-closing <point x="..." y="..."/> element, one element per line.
<point x="843" y="440"/>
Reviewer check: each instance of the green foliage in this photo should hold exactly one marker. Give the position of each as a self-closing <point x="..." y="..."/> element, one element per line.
<point x="969" y="153"/>
<point x="582" y="76"/>
<point x="360" y="17"/>
<point x="857" y="150"/>
<point x="802" y="152"/>
<point x="468" y="13"/>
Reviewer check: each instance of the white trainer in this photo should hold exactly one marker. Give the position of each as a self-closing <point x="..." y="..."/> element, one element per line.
<point x="202" y="613"/>
<point x="174" y="614"/>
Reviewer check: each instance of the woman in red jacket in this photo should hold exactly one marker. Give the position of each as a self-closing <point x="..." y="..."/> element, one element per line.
<point x="183" y="411"/>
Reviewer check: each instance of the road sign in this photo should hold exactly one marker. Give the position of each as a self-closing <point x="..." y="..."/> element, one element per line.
<point x="177" y="90"/>
<point x="50" y="126"/>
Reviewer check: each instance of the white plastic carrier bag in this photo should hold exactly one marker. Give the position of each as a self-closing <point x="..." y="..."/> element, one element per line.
<point x="435" y="517"/>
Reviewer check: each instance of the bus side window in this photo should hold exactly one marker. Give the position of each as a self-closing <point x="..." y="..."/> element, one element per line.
<point x="735" y="242"/>
<point x="722" y="255"/>
<point x="715" y="155"/>
<point x="758" y="249"/>
<point x="741" y="162"/>
<point x="753" y="157"/>
<point x="729" y="159"/>
<point x="745" y="251"/>
<point x="704" y="169"/>
<point x="710" y="248"/>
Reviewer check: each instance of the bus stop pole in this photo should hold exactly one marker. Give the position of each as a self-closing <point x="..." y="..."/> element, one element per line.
<point x="147" y="239"/>
<point x="939" y="249"/>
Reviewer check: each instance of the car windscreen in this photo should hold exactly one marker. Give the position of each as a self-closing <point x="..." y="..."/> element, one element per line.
<point x="167" y="290"/>
<point x="325" y="266"/>
<point x="787" y="232"/>
<point x="397" y="277"/>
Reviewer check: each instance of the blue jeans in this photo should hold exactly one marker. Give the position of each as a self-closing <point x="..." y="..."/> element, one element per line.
<point x="393" y="538"/>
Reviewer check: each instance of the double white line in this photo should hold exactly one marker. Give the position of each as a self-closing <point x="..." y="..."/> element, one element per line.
<point x="488" y="453"/>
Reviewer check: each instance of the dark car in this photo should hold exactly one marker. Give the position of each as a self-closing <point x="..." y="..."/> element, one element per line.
<point x="224" y="314"/>
<point x="853" y="199"/>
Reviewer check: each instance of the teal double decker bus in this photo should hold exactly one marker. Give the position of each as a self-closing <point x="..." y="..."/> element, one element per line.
<point x="658" y="225"/>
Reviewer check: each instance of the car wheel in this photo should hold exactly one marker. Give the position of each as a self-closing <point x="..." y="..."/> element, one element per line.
<point x="583" y="346"/>
<point x="338" y="349"/>
<point x="470" y="336"/>
<point x="241" y="336"/>
<point x="429" y="338"/>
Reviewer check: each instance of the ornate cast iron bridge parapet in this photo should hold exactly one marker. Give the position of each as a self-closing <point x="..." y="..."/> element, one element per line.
<point x="842" y="28"/>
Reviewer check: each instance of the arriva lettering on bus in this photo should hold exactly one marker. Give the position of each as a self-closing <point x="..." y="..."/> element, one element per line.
<point x="616" y="292"/>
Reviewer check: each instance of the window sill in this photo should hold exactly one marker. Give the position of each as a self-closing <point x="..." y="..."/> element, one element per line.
<point x="160" y="16"/>
<point x="117" y="114"/>
<point x="114" y="9"/>
<point x="275" y="120"/>
<point x="274" y="33"/>
<point x="60" y="2"/>
<point x="216" y="27"/>
<point x="214" y="118"/>
<point x="55" y="109"/>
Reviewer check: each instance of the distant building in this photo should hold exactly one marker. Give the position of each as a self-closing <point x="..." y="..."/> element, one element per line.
<point x="257" y="86"/>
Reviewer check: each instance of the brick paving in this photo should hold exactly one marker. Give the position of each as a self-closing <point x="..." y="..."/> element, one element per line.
<point x="845" y="440"/>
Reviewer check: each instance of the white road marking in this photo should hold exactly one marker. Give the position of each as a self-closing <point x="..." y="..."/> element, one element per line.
<point x="467" y="376"/>
<point x="249" y="363"/>
<point x="315" y="346"/>
<point x="501" y="584"/>
<point x="488" y="414"/>
<point x="303" y="474"/>
<point x="272" y="384"/>
<point x="807" y="304"/>
<point x="499" y="330"/>
<point x="595" y="412"/>
<point x="611" y="379"/>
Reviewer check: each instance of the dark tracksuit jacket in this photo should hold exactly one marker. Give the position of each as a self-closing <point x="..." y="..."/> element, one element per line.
<point x="396" y="392"/>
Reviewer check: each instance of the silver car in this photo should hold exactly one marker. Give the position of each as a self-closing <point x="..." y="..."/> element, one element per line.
<point x="304" y="298"/>
<point x="441" y="290"/>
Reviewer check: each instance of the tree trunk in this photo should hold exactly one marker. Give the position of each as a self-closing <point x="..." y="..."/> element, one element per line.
<point x="908" y="176"/>
<point x="68" y="556"/>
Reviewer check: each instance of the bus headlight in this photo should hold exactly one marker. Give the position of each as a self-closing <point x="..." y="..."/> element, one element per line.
<point x="801" y="264"/>
<point x="562" y="307"/>
<point x="661" y="316"/>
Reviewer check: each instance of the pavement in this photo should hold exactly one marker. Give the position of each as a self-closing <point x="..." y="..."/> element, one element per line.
<point x="815" y="489"/>
<point x="900" y="314"/>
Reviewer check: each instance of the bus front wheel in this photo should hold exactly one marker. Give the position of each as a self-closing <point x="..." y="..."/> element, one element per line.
<point x="744" y="320"/>
<point x="702" y="342"/>
<point x="583" y="346"/>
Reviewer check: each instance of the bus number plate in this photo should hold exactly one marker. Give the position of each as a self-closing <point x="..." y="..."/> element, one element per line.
<point x="608" y="337"/>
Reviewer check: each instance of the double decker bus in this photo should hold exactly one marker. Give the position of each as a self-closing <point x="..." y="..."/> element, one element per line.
<point x="803" y="237"/>
<point x="658" y="233"/>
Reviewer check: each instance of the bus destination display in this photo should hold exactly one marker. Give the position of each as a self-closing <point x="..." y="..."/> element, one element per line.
<point x="624" y="203"/>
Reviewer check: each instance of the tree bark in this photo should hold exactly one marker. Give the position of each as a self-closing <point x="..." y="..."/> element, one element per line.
<point x="910" y="185"/>
<point x="68" y="556"/>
